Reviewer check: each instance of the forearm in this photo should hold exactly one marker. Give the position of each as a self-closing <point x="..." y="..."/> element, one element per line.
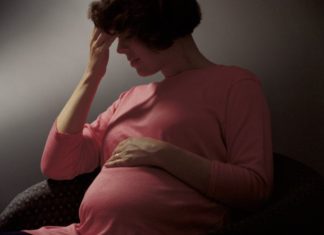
<point x="231" y="184"/>
<point x="188" y="167"/>
<point x="239" y="186"/>
<point x="74" y="114"/>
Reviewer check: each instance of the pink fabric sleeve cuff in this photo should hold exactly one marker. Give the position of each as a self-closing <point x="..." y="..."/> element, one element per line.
<point x="54" y="161"/>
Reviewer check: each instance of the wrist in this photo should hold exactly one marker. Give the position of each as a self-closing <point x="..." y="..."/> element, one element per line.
<point x="90" y="77"/>
<point x="167" y="156"/>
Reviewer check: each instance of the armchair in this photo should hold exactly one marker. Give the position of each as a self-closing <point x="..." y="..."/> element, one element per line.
<point x="296" y="205"/>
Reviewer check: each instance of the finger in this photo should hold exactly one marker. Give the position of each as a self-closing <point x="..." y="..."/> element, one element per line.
<point x="115" y="156"/>
<point x="108" y="42"/>
<point x="100" y="40"/>
<point x="104" y="46"/>
<point x="95" y="33"/>
<point x="120" y="146"/>
<point x="117" y="151"/>
<point x="104" y="40"/>
<point x="116" y="163"/>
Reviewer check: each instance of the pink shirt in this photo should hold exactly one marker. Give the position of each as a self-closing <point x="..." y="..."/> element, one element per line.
<point x="219" y="113"/>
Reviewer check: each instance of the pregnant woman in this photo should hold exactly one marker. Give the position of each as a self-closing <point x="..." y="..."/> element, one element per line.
<point x="176" y="156"/>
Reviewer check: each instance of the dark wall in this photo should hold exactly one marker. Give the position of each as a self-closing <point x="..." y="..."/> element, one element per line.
<point x="44" y="50"/>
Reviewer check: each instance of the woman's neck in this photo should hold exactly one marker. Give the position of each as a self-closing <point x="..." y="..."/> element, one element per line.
<point x="183" y="55"/>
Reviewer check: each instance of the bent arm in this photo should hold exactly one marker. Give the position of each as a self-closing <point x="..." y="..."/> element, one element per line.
<point x="232" y="185"/>
<point x="245" y="180"/>
<point x="72" y="146"/>
<point x="70" y="140"/>
<point x="68" y="155"/>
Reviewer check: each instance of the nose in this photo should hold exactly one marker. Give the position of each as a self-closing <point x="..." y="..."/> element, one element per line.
<point x="122" y="47"/>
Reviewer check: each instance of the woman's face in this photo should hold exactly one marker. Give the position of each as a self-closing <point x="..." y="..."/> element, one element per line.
<point x="144" y="60"/>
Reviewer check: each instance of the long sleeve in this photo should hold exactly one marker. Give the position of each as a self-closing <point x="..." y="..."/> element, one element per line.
<point x="66" y="156"/>
<point x="245" y="180"/>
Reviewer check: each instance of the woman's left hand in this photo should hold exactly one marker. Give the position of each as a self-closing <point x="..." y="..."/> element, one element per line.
<point x="139" y="151"/>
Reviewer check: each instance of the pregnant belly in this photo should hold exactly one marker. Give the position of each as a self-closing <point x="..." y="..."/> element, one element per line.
<point x="146" y="193"/>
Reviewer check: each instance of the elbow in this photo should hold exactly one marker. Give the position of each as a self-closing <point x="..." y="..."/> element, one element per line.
<point x="259" y="195"/>
<point x="255" y="194"/>
<point x="265" y="188"/>
<point x="56" y="174"/>
<point x="241" y="188"/>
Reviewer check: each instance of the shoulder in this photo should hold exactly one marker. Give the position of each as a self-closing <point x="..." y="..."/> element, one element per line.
<point x="232" y="74"/>
<point x="221" y="80"/>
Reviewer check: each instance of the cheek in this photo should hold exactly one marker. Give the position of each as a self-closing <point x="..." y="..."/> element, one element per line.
<point x="147" y="56"/>
<point x="149" y="61"/>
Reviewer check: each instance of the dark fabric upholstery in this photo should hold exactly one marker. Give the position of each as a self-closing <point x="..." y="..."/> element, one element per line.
<point x="296" y="205"/>
<point x="50" y="202"/>
<point x="13" y="233"/>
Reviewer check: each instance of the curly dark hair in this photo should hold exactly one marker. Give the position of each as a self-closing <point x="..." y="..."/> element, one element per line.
<point x="156" y="23"/>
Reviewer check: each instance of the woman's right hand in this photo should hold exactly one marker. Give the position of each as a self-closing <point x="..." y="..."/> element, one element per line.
<point x="99" y="52"/>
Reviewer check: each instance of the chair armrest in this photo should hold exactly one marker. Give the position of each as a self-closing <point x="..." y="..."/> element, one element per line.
<point x="49" y="202"/>
<point x="296" y="205"/>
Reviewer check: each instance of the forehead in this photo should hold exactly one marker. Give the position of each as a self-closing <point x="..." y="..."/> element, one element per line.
<point x="129" y="38"/>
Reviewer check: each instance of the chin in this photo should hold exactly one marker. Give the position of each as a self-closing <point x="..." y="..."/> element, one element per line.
<point x="146" y="73"/>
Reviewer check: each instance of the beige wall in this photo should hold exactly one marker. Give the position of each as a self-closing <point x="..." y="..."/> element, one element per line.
<point x="44" y="49"/>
